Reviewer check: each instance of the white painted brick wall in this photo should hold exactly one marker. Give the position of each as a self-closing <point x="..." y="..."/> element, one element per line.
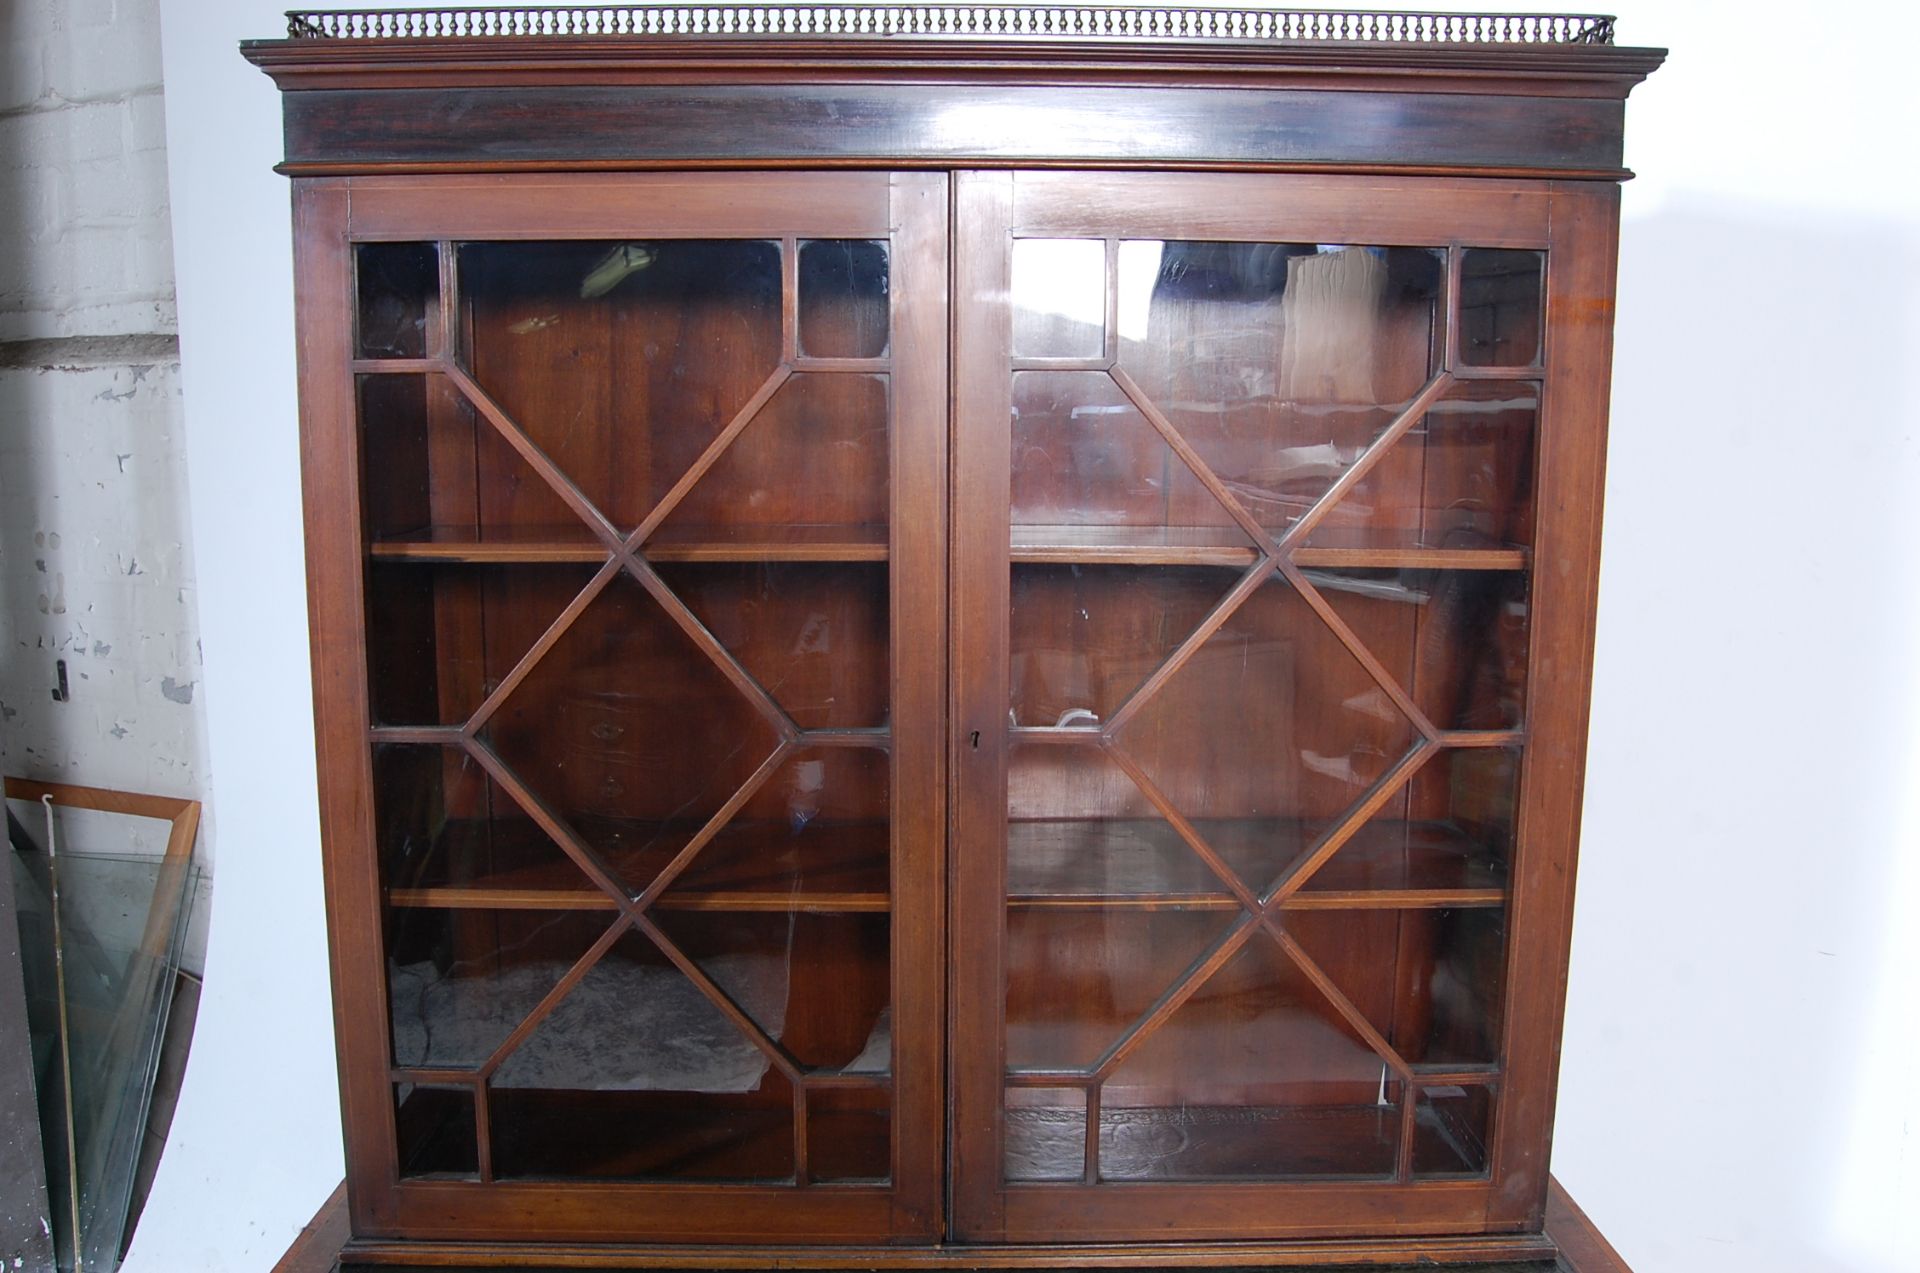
<point x="94" y="570"/>
<point x="95" y="558"/>
<point x="83" y="189"/>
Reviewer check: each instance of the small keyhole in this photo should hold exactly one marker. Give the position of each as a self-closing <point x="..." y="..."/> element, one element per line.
<point x="976" y="740"/>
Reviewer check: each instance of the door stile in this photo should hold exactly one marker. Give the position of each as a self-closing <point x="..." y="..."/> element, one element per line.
<point x="330" y="472"/>
<point x="982" y="409"/>
<point x="919" y="216"/>
<point x="1571" y="483"/>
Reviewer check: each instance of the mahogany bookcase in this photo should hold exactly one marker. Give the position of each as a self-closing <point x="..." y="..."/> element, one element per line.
<point x="950" y="635"/>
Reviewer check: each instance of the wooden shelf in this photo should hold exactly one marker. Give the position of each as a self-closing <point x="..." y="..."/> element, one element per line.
<point x="561" y="543"/>
<point x="511" y="865"/>
<point x="1138" y="864"/>
<point x="1061" y="545"/>
<point x="1228" y="546"/>
<point x="1144" y="864"/>
<point x="1133" y="545"/>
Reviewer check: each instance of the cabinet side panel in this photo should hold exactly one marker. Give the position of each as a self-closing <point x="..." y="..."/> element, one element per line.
<point x="982" y="414"/>
<point x="330" y="473"/>
<point x="1571" y="479"/>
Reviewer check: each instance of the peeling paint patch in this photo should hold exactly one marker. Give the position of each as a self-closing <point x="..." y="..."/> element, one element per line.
<point x="8" y="713"/>
<point x="174" y="690"/>
<point x="118" y="731"/>
<point x="101" y="649"/>
<point x="54" y="602"/>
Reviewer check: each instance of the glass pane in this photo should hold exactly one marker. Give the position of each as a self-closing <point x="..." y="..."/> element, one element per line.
<point x="1085" y="458"/>
<point x="435" y="477"/>
<point x="1078" y="978"/>
<point x="1081" y="829"/>
<point x="1500" y="307"/>
<point x="1451" y="828"/>
<point x="816" y="982"/>
<point x="1254" y="1076"/>
<point x="630" y="733"/>
<point x="814" y="835"/>
<point x="812" y="634"/>
<point x="442" y="636"/>
<point x="1272" y="721"/>
<point x="448" y="835"/>
<point x="1280" y="363"/>
<point x="1436" y="998"/>
<point x="620" y="361"/>
<point x="816" y="455"/>
<point x="398" y="292"/>
<point x="460" y="981"/>
<point x="1453" y="1128"/>
<point x="850" y="1133"/>
<point x="1455" y="640"/>
<point x="1084" y="637"/>
<point x="435" y="1128"/>
<point x="843" y="298"/>
<point x="1059" y="298"/>
<point x="1046" y="1133"/>
<point x="638" y="1075"/>
<point x="1460" y="479"/>
<point x="101" y="939"/>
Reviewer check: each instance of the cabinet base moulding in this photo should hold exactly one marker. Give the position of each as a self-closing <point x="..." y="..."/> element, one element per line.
<point x="1571" y="1244"/>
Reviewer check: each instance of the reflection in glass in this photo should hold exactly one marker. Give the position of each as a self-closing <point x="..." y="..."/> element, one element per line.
<point x="843" y="298"/>
<point x="1059" y="298"/>
<point x="1084" y="457"/>
<point x="1462" y="478"/>
<point x="1278" y="362"/>
<point x="397" y="290"/>
<point x="1501" y="292"/>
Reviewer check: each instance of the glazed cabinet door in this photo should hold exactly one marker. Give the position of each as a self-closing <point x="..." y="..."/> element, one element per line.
<point x="626" y="513"/>
<point x="1273" y="554"/>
